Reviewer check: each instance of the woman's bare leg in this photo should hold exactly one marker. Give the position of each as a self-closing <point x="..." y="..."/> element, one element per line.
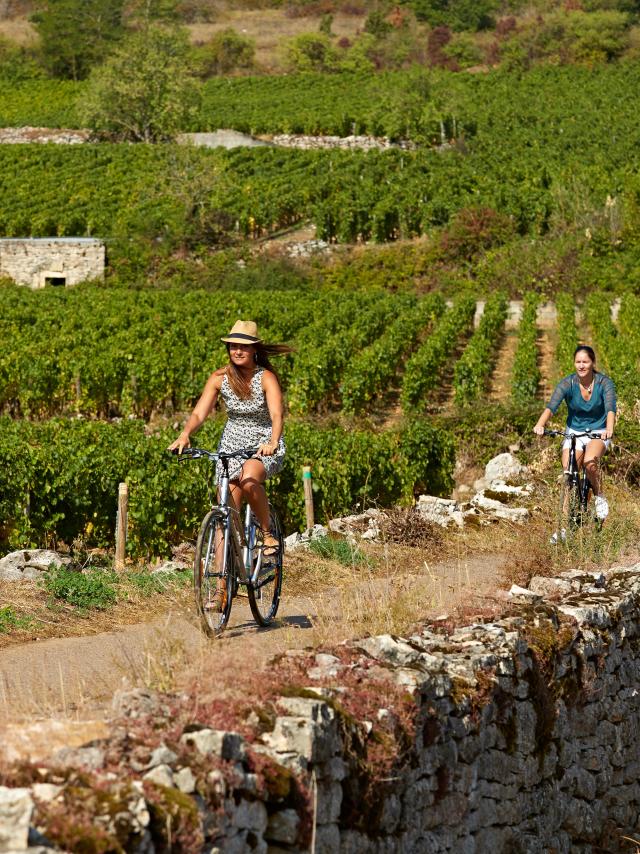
<point x="593" y="454"/>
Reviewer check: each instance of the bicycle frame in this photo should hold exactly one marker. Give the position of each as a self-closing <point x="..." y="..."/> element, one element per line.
<point x="577" y="477"/>
<point x="239" y="540"/>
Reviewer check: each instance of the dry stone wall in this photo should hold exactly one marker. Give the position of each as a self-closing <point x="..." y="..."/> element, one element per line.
<point x="516" y="735"/>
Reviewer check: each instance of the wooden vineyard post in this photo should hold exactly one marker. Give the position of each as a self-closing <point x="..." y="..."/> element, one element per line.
<point x="121" y="525"/>
<point x="308" y="495"/>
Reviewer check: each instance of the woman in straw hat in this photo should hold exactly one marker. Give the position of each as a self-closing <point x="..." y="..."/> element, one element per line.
<point x="253" y="399"/>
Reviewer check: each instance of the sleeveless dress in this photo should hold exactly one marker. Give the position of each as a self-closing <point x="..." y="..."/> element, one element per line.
<point x="248" y="425"/>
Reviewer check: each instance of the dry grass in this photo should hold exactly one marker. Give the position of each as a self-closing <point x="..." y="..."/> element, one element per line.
<point x="270" y="28"/>
<point x="55" y="620"/>
<point x="19" y="30"/>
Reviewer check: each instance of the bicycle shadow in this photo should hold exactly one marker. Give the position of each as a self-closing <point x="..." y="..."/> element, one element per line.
<point x="294" y="621"/>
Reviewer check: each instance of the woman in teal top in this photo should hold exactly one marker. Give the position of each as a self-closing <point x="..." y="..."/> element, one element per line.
<point x="591" y="402"/>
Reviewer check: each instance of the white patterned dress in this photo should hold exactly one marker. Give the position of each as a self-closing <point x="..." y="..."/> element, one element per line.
<point x="248" y="425"/>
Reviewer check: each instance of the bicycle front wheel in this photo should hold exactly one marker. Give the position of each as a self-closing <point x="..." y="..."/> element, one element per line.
<point x="264" y="591"/>
<point x="570" y="506"/>
<point x="213" y="575"/>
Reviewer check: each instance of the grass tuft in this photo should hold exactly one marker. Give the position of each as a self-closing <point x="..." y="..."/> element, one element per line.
<point x="94" y="589"/>
<point x="341" y="551"/>
<point x="9" y="620"/>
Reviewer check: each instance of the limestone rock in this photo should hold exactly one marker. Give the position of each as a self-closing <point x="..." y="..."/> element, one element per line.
<point x="16" y="807"/>
<point x="227" y="745"/>
<point x="28" y="564"/>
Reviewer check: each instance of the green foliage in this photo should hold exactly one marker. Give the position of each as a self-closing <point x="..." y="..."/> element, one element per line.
<point x="474" y="367"/>
<point x="340" y="550"/>
<point x="59" y="479"/>
<point x="567" y="333"/>
<point x="76" y="35"/>
<point x="538" y="152"/>
<point x="617" y="349"/>
<point x="311" y="52"/>
<point x="144" y="92"/>
<point x="582" y="37"/>
<point x="10" y="620"/>
<point x="326" y="347"/>
<point x="17" y="63"/>
<point x="475" y="230"/>
<point x="93" y="589"/>
<point x="526" y="375"/>
<point x="227" y="51"/>
<point x="457" y="14"/>
<point x="370" y="372"/>
<point x="423" y="371"/>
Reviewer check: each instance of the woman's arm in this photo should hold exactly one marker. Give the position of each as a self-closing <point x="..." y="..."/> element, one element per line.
<point x="560" y="393"/>
<point x="542" y="422"/>
<point x="611" y="423"/>
<point x="202" y="408"/>
<point x="610" y="404"/>
<point x="273" y="396"/>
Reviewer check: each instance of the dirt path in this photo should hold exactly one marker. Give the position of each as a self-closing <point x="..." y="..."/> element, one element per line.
<point x="546" y="360"/>
<point x="500" y="383"/>
<point x="77" y="677"/>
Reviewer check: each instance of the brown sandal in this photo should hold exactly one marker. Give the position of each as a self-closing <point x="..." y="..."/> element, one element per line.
<point x="270" y="544"/>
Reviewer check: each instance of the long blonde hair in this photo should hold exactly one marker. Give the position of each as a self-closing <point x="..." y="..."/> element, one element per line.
<point x="240" y="385"/>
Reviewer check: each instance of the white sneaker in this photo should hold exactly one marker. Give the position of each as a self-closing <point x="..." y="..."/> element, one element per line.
<point x="602" y="507"/>
<point x="558" y="537"/>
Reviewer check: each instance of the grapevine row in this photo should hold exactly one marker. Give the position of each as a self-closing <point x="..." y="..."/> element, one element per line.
<point x="370" y="373"/>
<point x="525" y="376"/>
<point x="474" y="367"/>
<point x="424" y="369"/>
<point x="322" y="359"/>
<point x="65" y="485"/>
<point x="567" y="333"/>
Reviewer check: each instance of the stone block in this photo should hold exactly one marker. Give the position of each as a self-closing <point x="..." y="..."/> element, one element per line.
<point x="161" y="774"/>
<point x="227" y="745"/>
<point x="283" y="827"/>
<point x="185" y="781"/>
<point x="16" y="807"/>
<point x="250" y="815"/>
<point x="329" y="802"/>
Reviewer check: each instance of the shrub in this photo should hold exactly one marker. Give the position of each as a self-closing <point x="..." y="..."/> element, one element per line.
<point x="226" y="52"/>
<point x="474" y="231"/>
<point x="457" y="14"/>
<point x="310" y="52"/>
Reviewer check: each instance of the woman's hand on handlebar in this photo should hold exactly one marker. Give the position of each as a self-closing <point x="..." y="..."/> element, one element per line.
<point x="538" y="429"/>
<point x="606" y="434"/>
<point x="180" y="444"/>
<point x="267" y="449"/>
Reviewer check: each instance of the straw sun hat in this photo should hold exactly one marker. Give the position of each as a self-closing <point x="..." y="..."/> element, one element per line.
<point x="243" y="332"/>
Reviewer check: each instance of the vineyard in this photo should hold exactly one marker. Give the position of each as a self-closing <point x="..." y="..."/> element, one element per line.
<point x="544" y="149"/>
<point x="140" y="358"/>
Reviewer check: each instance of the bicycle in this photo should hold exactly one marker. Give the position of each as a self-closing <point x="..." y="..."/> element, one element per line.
<point x="228" y="554"/>
<point x="575" y="508"/>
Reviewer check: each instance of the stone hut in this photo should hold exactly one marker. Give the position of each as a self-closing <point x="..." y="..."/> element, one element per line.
<point x="42" y="261"/>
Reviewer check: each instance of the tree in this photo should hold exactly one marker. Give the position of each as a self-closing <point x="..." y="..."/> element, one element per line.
<point x="75" y="35"/>
<point x="145" y="91"/>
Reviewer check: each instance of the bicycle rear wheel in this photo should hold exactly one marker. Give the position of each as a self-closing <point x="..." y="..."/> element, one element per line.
<point x="213" y="575"/>
<point x="264" y="594"/>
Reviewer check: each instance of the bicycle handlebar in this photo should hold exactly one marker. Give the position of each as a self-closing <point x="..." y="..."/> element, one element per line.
<point x="568" y="435"/>
<point x="197" y="453"/>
